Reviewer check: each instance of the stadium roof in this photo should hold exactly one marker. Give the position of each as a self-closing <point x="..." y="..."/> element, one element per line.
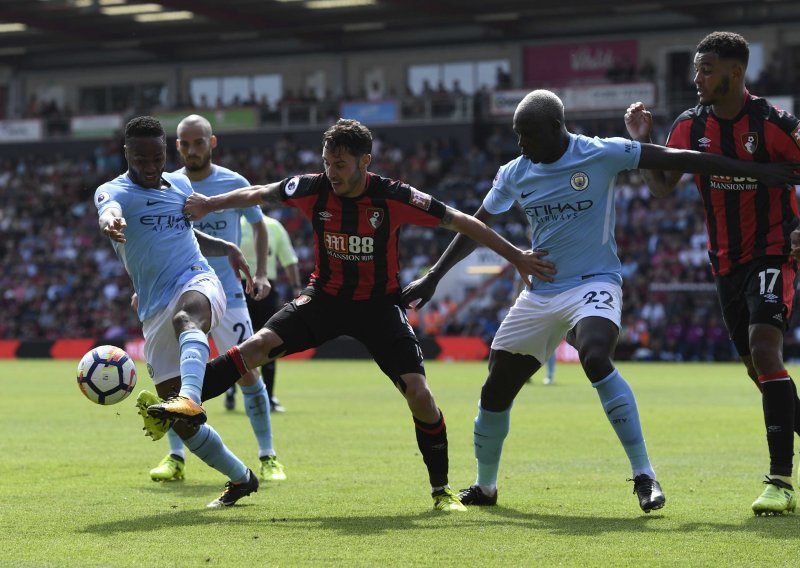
<point x="43" y="34"/>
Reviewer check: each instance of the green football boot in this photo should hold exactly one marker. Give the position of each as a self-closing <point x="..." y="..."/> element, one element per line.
<point x="272" y="469"/>
<point x="778" y="498"/>
<point x="447" y="500"/>
<point x="170" y="469"/>
<point x="153" y="427"/>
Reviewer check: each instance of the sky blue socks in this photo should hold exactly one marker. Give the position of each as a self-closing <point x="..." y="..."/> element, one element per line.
<point x="619" y="403"/>
<point x="194" y="349"/>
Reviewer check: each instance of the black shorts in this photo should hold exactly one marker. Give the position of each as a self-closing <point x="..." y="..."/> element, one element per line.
<point x="381" y="325"/>
<point x="761" y="291"/>
<point x="261" y="310"/>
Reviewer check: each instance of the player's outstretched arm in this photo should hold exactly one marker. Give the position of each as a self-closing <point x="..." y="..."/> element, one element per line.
<point x="528" y="263"/>
<point x="112" y="224"/>
<point x="420" y="291"/>
<point x="198" y="206"/>
<point x="661" y="167"/>
<point x="772" y="174"/>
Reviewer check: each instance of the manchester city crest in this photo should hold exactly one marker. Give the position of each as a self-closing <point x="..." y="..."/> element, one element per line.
<point x="579" y="181"/>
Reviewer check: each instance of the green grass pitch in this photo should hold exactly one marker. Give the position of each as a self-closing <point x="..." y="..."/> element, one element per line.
<point x="75" y="490"/>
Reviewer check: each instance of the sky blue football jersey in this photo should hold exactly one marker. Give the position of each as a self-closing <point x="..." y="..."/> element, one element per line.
<point x="161" y="253"/>
<point x="225" y="225"/>
<point x="570" y="207"/>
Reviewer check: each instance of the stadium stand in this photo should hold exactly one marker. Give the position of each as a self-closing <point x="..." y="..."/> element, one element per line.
<point x="60" y="138"/>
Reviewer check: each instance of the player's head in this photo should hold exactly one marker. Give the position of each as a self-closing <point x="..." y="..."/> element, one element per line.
<point x="346" y="154"/>
<point x="720" y="62"/>
<point x="145" y="150"/>
<point x="195" y="143"/>
<point x="539" y="126"/>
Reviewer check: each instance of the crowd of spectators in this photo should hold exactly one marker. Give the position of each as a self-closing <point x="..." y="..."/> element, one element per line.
<point x="59" y="278"/>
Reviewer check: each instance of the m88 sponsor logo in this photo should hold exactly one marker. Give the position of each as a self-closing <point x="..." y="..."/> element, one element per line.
<point x="349" y="247"/>
<point x="730" y="183"/>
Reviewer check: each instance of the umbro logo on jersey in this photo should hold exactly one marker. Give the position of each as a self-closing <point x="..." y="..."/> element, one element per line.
<point x="778" y="317"/>
<point x="325" y="215"/>
<point x="704" y="142"/>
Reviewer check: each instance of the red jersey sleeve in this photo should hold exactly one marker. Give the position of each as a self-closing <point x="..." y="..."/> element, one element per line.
<point x="414" y="207"/>
<point x="784" y="136"/>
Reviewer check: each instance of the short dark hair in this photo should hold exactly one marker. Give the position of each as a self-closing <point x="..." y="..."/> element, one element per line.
<point x="348" y="135"/>
<point x="144" y="127"/>
<point x="727" y="45"/>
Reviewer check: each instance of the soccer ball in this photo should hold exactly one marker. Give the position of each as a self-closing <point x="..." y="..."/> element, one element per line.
<point x="106" y="375"/>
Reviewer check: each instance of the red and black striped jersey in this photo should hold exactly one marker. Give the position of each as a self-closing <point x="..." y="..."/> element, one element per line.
<point x="745" y="219"/>
<point x="356" y="239"/>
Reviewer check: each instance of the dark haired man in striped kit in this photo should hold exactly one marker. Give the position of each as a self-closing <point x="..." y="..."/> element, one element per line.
<point x="751" y="232"/>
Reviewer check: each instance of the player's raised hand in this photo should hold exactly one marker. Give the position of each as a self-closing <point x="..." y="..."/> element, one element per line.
<point x="530" y="265"/>
<point x="196" y="206"/>
<point x="795" y="239"/>
<point x="261" y="287"/>
<point x="419" y="292"/>
<point x="778" y="174"/>
<point x="639" y="122"/>
<point x="115" y="229"/>
<point x="239" y="264"/>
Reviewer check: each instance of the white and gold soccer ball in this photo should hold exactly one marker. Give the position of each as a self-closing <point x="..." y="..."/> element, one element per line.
<point x="106" y="375"/>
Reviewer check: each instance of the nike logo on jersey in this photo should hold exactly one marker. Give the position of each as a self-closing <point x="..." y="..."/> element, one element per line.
<point x="524" y="195"/>
<point x="151" y="202"/>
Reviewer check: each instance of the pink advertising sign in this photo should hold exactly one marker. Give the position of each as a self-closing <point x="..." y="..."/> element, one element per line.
<point x="572" y="63"/>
